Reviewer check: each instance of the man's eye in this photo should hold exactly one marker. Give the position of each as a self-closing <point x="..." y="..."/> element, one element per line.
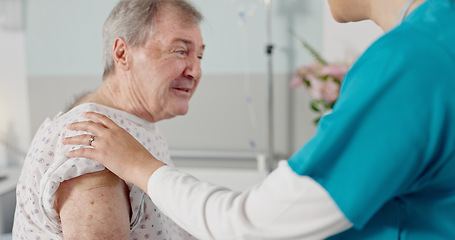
<point x="181" y="52"/>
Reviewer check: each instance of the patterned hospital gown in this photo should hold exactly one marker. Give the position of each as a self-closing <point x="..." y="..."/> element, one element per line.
<point x="47" y="165"/>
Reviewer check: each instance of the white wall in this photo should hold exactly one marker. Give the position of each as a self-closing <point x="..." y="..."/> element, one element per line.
<point x="67" y="34"/>
<point x="14" y="111"/>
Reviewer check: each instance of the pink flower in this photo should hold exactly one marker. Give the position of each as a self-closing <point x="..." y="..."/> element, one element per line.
<point x="330" y="90"/>
<point x="322" y="81"/>
<point x="327" y="90"/>
<point x="315" y="88"/>
<point x="296" y="82"/>
<point x="335" y="70"/>
<point x="305" y="73"/>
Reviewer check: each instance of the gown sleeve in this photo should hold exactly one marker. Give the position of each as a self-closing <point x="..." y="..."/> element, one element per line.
<point x="283" y="206"/>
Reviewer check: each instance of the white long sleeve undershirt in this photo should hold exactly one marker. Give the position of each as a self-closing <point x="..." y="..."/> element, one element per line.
<point x="283" y="206"/>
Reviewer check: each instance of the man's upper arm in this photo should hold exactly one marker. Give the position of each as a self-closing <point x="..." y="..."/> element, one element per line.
<point x="94" y="205"/>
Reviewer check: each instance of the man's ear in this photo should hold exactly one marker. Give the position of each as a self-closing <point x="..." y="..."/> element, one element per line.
<point x="120" y="54"/>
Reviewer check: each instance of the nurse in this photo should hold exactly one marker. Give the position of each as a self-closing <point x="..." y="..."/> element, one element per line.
<point x="380" y="166"/>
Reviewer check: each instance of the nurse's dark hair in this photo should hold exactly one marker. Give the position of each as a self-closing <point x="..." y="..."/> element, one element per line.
<point x="133" y="21"/>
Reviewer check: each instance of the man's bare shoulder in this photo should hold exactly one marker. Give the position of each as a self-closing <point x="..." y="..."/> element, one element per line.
<point x="95" y="204"/>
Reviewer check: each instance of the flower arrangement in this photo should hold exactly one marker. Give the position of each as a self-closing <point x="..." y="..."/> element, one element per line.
<point x="321" y="79"/>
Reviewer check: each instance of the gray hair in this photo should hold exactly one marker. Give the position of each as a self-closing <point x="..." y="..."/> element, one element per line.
<point x="133" y="20"/>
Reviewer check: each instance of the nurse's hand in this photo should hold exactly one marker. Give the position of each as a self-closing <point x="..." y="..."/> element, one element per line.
<point x="115" y="148"/>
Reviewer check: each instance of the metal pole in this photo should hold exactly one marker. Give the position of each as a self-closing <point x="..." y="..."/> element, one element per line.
<point x="269" y="49"/>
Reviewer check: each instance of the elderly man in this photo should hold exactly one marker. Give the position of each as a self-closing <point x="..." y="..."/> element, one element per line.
<point x="153" y="50"/>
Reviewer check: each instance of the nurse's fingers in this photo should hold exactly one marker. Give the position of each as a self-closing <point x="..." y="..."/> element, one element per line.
<point x="83" y="152"/>
<point x="88" y="126"/>
<point x="101" y="119"/>
<point x="84" y="139"/>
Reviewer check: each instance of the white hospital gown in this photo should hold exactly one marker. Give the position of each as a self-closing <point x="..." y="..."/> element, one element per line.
<point x="47" y="165"/>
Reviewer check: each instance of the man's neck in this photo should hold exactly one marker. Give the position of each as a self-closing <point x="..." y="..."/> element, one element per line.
<point x="111" y="95"/>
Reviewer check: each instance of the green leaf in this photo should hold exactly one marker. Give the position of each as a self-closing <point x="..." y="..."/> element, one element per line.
<point x="327" y="105"/>
<point x="307" y="83"/>
<point x="314" y="106"/>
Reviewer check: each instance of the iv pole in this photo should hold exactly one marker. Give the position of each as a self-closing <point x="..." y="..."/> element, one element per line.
<point x="269" y="49"/>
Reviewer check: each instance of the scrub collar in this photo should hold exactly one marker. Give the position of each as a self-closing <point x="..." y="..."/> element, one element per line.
<point x="404" y="10"/>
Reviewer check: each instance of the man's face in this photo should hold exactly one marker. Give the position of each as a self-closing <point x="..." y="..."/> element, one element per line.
<point x="165" y="72"/>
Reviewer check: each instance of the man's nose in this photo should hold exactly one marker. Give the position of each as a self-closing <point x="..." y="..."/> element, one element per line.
<point x="193" y="68"/>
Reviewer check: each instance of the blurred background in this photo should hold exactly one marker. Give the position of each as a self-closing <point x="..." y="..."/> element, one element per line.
<point x="52" y="52"/>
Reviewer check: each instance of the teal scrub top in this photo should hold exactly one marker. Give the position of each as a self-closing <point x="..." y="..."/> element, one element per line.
<point x="386" y="154"/>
